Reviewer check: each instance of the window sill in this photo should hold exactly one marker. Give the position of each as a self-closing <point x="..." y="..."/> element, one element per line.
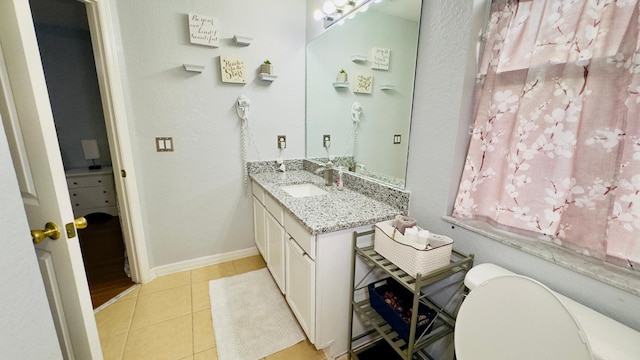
<point x="612" y="275"/>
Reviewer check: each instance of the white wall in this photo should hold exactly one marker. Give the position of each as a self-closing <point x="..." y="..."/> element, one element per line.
<point x="437" y="149"/>
<point x="193" y="199"/>
<point x="26" y="330"/>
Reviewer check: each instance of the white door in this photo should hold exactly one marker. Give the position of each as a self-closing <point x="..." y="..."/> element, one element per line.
<point x="35" y="152"/>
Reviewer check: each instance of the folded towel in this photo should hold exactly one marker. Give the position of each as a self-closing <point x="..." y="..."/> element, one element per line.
<point x="411" y="234"/>
<point x="402" y="222"/>
<point x="423" y="237"/>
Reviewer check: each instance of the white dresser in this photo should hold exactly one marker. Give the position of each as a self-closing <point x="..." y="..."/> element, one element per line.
<point x="92" y="191"/>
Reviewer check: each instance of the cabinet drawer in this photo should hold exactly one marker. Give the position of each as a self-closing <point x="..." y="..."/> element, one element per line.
<point x="274" y="207"/>
<point x="75" y="182"/>
<point x="306" y="241"/>
<point x="258" y="192"/>
<point x="98" y="196"/>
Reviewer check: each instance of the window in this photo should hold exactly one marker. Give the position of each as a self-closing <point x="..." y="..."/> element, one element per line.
<point x="555" y="146"/>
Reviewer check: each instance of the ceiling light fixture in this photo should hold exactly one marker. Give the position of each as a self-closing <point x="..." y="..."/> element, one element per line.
<point x="336" y="11"/>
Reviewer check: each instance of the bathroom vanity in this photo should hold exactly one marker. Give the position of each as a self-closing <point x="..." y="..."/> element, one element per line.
<point x="304" y="233"/>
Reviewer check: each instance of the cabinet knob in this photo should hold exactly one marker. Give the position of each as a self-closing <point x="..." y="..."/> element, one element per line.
<point x="99" y="181"/>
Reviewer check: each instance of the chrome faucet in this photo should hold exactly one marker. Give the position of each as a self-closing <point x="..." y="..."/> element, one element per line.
<point x="328" y="173"/>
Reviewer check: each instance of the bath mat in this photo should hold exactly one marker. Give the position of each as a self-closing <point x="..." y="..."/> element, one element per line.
<point x="251" y="317"/>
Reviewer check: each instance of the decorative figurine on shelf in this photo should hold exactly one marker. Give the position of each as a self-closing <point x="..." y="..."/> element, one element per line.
<point x="266" y="67"/>
<point x="342" y="76"/>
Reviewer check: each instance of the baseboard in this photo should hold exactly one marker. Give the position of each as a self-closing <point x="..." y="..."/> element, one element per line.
<point x="200" y="262"/>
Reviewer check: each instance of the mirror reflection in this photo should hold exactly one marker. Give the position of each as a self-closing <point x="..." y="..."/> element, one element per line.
<point x="360" y="78"/>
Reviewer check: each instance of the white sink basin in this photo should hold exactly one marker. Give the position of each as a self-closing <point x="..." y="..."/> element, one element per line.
<point x="303" y="190"/>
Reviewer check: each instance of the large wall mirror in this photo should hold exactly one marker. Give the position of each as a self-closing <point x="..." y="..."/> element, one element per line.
<point x="368" y="116"/>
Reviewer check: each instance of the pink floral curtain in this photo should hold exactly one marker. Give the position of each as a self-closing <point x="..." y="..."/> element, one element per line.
<point x="555" y="145"/>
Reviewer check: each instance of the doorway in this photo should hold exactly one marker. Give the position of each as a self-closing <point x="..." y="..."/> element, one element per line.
<point x="67" y="56"/>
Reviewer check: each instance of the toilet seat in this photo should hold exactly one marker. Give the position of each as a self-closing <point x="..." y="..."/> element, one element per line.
<point x="514" y="317"/>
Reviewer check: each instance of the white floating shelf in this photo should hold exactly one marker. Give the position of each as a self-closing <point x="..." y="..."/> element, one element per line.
<point x="358" y="58"/>
<point x="193" y="68"/>
<point x="267" y="77"/>
<point x="242" y="40"/>
<point x="340" y="84"/>
<point x="387" y="87"/>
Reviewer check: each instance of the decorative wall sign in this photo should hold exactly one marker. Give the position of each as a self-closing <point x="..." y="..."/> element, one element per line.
<point x="363" y="83"/>
<point x="204" y="30"/>
<point x="380" y="58"/>
<point x="233" y="70"/>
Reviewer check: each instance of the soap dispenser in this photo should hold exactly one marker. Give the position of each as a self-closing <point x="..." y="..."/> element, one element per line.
<point x="339" y="180"/>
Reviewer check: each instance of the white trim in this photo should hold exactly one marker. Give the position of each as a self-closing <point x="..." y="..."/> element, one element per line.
<point x="203" y="261"/>
<point x="103" y="39"/>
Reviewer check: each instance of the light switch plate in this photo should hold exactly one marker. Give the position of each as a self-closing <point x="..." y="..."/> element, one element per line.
<point x="164" y="144"/>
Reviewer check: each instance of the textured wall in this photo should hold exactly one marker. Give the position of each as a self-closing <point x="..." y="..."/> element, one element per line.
<point x="193" y="200"/>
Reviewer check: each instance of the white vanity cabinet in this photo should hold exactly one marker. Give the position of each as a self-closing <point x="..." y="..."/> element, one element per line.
<point x="317" y="283"/>
<point x="276" y="238"/>
<point x="259" y="213"/>
<point x="269" y="233"/>
<point x="313" y="271"/>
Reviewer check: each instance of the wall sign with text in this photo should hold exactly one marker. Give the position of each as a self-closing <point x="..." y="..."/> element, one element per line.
<point x="363" y="83"/>
<point x="204" y="30"/>
<point x="233" y="70"/>
<point x="380" y="58"/>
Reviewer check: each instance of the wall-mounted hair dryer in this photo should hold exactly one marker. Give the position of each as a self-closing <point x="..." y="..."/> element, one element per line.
<point x="356" y="112"/>
<point x="242" y="107"/>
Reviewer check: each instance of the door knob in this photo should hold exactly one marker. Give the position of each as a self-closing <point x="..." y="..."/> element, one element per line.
<point x="51" y="231"/>
<point x="80" y="223"/>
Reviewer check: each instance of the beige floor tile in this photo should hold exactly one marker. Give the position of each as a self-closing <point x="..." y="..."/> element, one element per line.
<point x="302" y="350"/>
<point x="203" y="336"/>
<point x="113" y="346"/>
<point x="200" y="296"/>
<point x="116" y="318"/>
<point x="170" y="340"/>
<point x="166" y="282"/>
<point x="210" y="354"/>
<point x="188" y="358"/>
<point x="132" y="294"/>
<point x="250" y="263"/>
<point x="213" y="272"/>
<point x="162" y="305"/>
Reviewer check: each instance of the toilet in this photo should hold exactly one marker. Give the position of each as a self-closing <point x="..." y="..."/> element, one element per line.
<point x="507" y="316"/>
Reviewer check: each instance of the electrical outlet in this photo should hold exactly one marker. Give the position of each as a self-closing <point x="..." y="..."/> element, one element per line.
<point x="396" y="139"/>
<point x="326" y="141"/>
<point x="282" y="142"/>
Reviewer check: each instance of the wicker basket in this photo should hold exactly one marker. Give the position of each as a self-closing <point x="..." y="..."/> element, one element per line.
<point x="410" y="256"/>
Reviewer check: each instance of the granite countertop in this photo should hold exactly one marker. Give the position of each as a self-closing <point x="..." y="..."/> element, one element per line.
<point x="337" y="210"/>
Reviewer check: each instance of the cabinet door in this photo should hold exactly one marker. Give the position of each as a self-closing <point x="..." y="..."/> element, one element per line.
<point x="259" y="228"/>
<point x="275" y="250"/>
<point x="301" y="285"/>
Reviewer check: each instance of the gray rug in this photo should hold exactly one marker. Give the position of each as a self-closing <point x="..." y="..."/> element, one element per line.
<point x="251" y="317"/>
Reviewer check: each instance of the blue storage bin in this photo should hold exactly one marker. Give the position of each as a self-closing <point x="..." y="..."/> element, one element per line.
<point x="398" y="316"/>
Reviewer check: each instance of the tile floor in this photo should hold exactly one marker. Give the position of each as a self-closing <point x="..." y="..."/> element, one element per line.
<point x="170" y="318"/>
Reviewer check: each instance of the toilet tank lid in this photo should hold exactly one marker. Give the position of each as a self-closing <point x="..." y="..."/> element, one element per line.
<point x="483" y="272"/>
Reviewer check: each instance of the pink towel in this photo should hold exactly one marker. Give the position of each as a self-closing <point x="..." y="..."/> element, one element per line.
<point x="402" y="222"/>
